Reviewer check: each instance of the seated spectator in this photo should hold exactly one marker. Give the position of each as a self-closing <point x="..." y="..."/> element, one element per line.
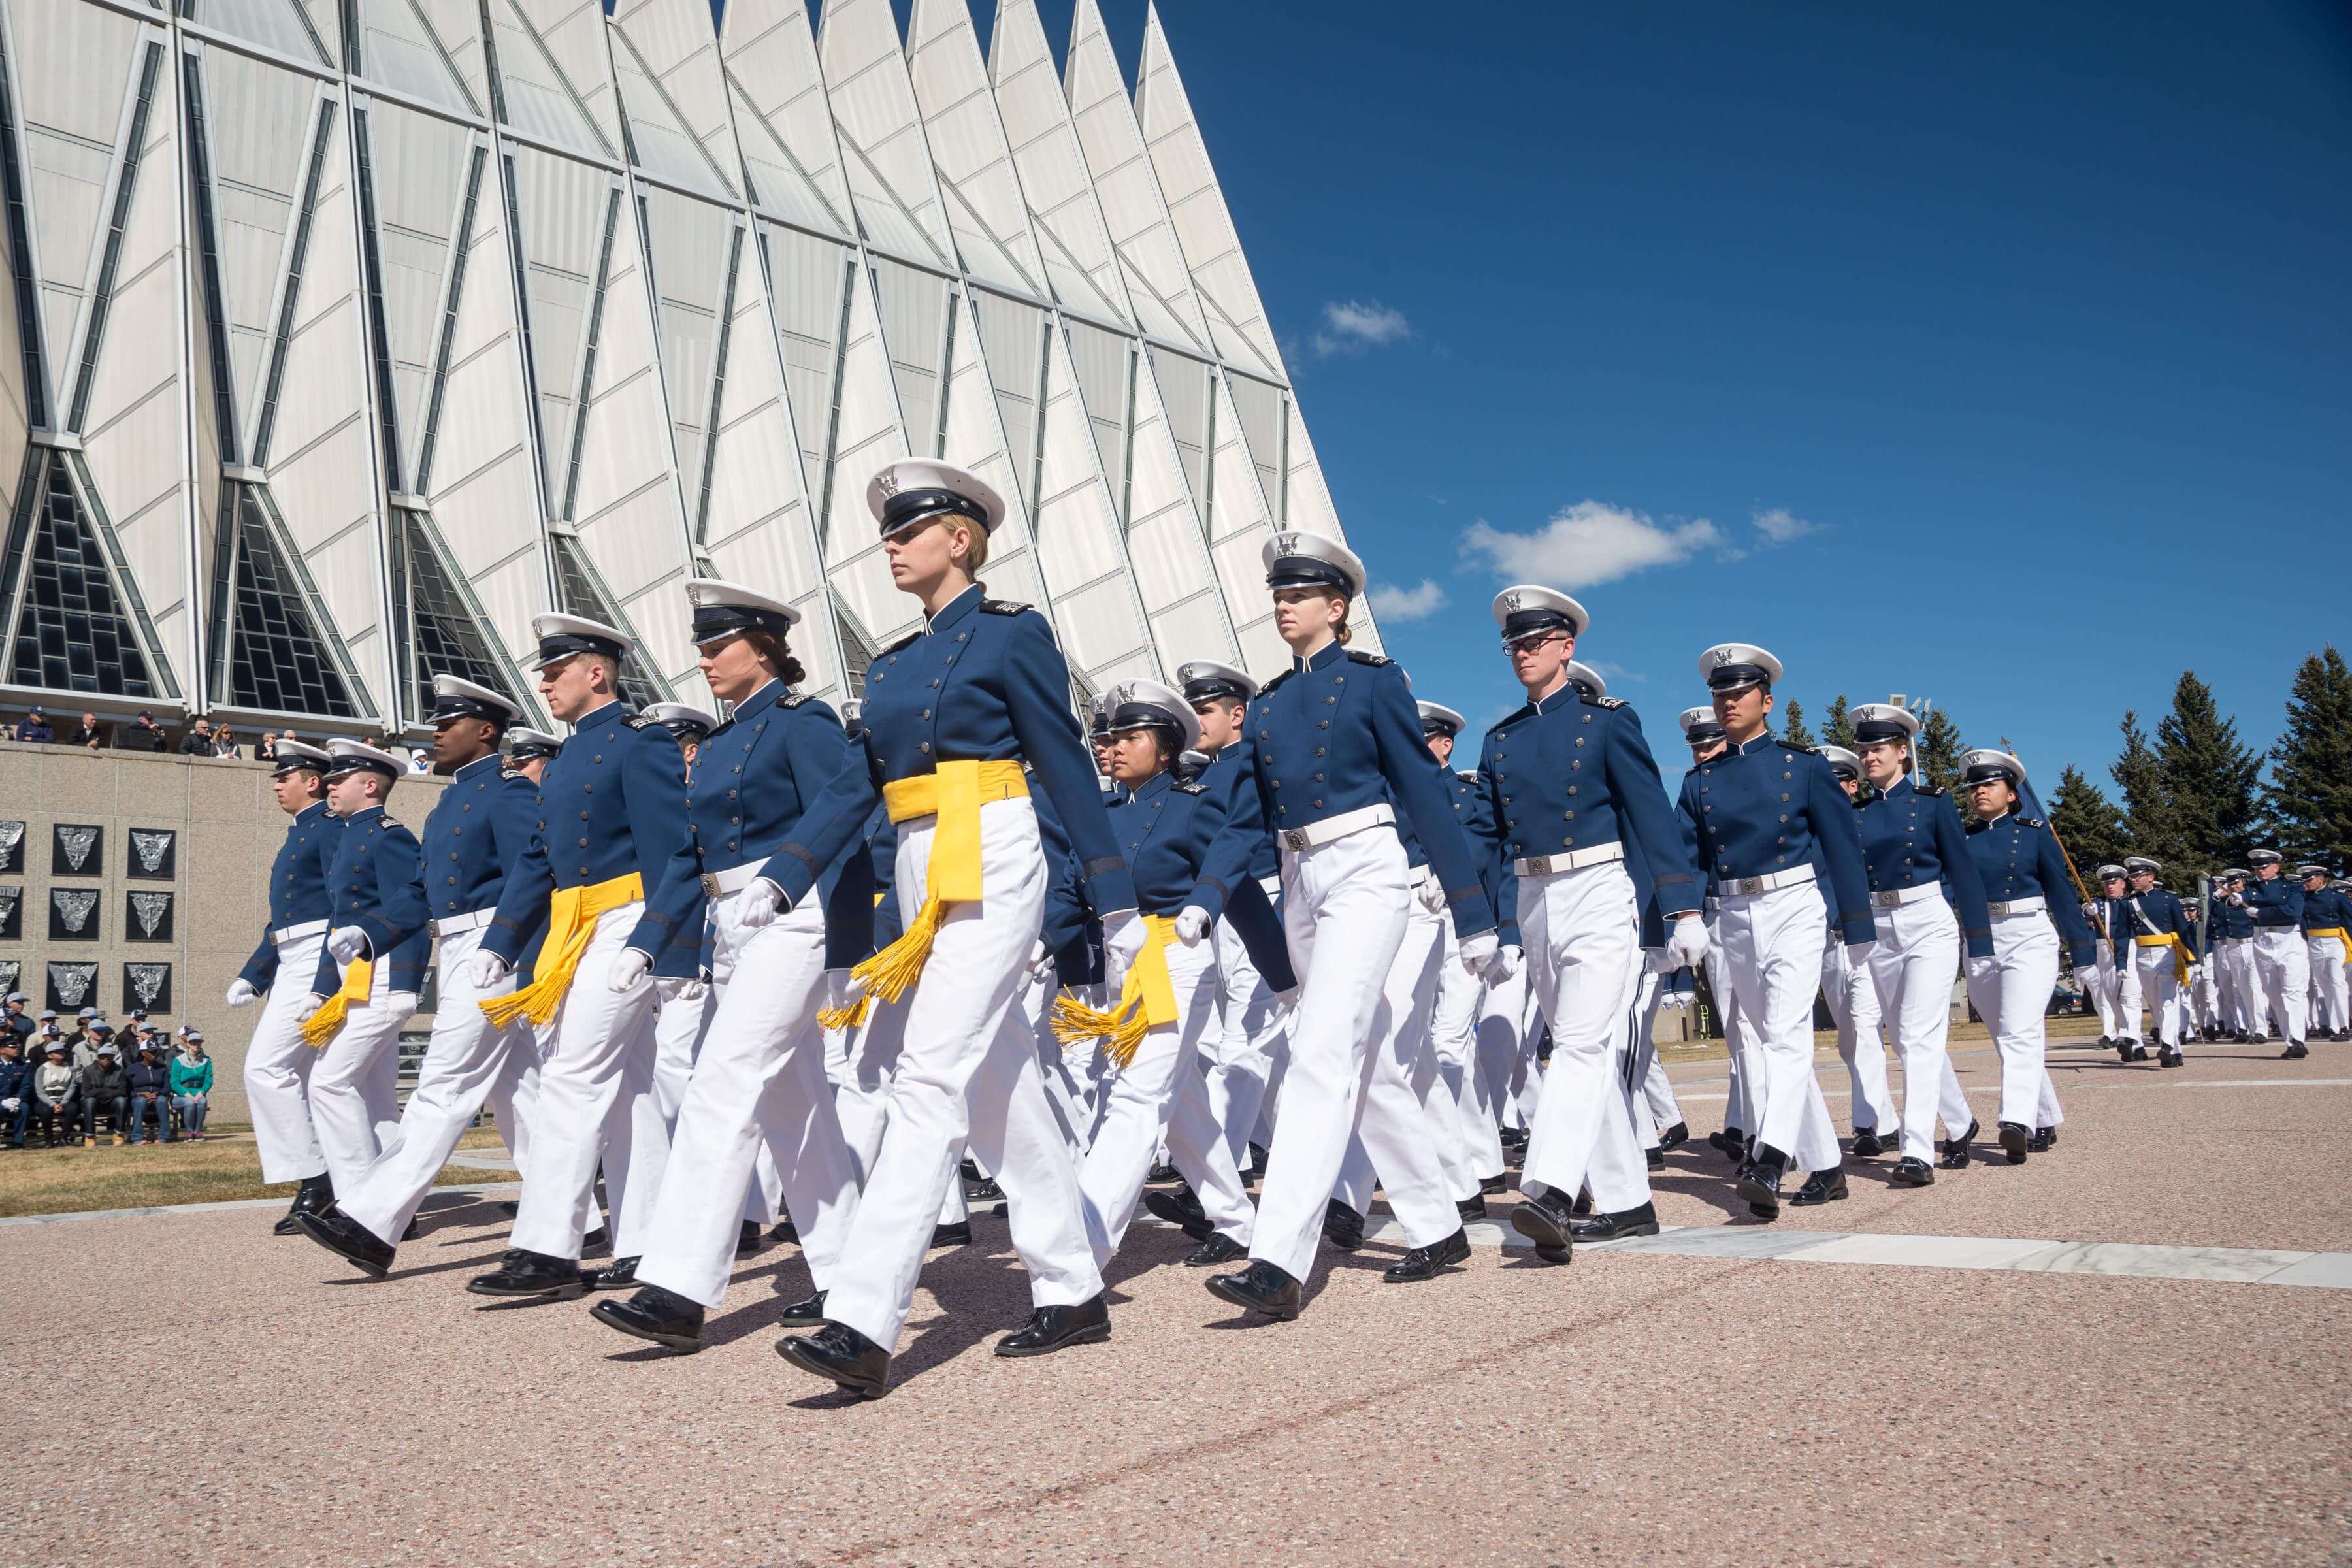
<point x="52" y="1087"/>
<point x="148" y="1083"/>
<point x="15" y="1090"/>
<point x="265" y="748"/>
<point x="35" y="726"/>
<point x="198" y="741"/>
<point x="100" y="1088"/>
<point x="192" y="1083"/>
<point x="18" y="1022"/>
<point x="89" y="733"/>
<point x="143" y="734"/>
<point x="95" y="1032"/>
<point x="225" y="742"/>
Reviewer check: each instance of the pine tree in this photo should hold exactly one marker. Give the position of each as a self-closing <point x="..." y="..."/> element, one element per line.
<point x="2147" y="821"/>
<point x="2088" y="823"/>
<point x="2209" y="779"/>
<point x="1939" y="750"/>
<point x="1792" y="723"/>
<point x="2309" y="799"/>
<point x="1839" y="731"/>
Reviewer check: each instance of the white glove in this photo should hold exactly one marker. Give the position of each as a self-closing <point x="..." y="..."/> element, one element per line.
<point x="1288" y="998"/>
<point x="1192" y="924"/>
<point x="1860" y="952"/>
<point x="1123" y="934"/>
<point x="1041" y="963"/>
<point x="241" y="994"/>
<point x="489" y="969"/>
<point x="759" y="904"/>
<point x="403" y="1002"/>
<point x="12" y="1105"/>
<point x="1478" y="954"/>
<point x="842" y="989"/>
<point x="1431" y="896"/>
<point x="692" y="990"/>
<point x="629" y="970"/>
<point x="1509" y="958"/>
<point x="346" y="943"/>
<point x="1686" y="943"/>
<point x="309" y="1006"/>
<point x="1675" y="999"/>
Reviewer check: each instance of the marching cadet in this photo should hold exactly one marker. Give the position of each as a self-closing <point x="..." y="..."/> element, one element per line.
<point x="2325" y="916"/>
<point x="2282" y="963"/>
<point x="951" y="712"/>
<point x="1572" y="789"/>
<point x="1852" y="997"/>
<point x="759" y="1079"/>
<point x="528" y="753"/>
<point x="2116" y="992"/>
<point x="514" y="1097"/>
<point x="1757" y="811"/>
<point x="1453" y="1020"/>
<point x="1706" y="740"/>
<point x="278" y="1063"/>
<point x="1918" y="859"/>
<point x="372" y="966"/>
<point x="1333" y="747"/>
<point x="2032" y="909"/>
<point x="2163" y="947"/>
<point x="483" y="822"/>
<point x="2228" y="966"/>
<point x="612" y="806"/>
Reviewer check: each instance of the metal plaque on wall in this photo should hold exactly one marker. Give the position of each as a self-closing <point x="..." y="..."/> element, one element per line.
<point x="151" y="917"/>
<point x="154" y="853"/>
<point x="78" y="849"/>
<point x="73" y="914"/>
<point x="12" y="970"/>
<point x="12" y="845"/>
<point x="72" y="986"/>
<point x="147" y="986"/>
<point x="12" y="915"/>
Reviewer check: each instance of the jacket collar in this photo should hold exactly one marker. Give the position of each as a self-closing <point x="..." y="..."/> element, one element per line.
<point x="1324" y="657"/>
<point x="956" y="609"/>
<point x="1551" y="702"/>
<point x="1764" y="741"/>
<point x="1158" y="783"/>
<point x="311" y="813"/>
<point x="474" y="768"/>
<point x="759" y="703"/>
<point x="614" y="709"/>
<point x="364" y="814"/>
<point x="1898" y="789"/>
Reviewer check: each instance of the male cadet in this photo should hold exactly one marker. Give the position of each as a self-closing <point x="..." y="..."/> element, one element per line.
<point x="1569" y="781"/>
<point x="373" y="967"/>
<point x="2229" y="962"/>
<point x="1454" y="1021"/>
<point x="485" y="821"/>
<point x="2324" y="918"/>
<point x="278" y="1063"/>
<point x="2118" y="978"/>
<point x="1707" y="741"/>
<point x="528" y="753"/>
<point x="612" y="806"/>
<point x="2282" y="965"/>
<point x="514" y="1097"/>
<point x="1759" y="811"/>
<point x="2163" y="948"/>
<point x="1852" y="996"/>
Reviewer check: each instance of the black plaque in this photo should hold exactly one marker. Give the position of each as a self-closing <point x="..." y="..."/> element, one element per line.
<point x="75" y="914"/>
<point x="12" y="970"/>
<point x="147" y="915"/>
<point x="12" y="846"/>
<point x="76" y="850"/>
<point x="429" y="995"/>
<point x="72" y="987"/>
<point x="147" y="986"/>
<point x="154" y="853"/>
<point x="11" y="916"/>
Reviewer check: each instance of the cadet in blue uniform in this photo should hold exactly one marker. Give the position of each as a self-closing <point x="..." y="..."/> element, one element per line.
<point x="372" y="965"/>
<point x="2324" y="917"/>
<point x="1920" y="868"/>
<point x="2227" y="969"/>
<point x="2117" y="997"/>
<point x="759" y="1075"/>
<point x="278" y="1063"/>
<point x="2164" y="945"/>
<point x="2027" y="895"/>
<point x="1853" y="998"/>
<point x="2282" y="963"/>
<point x="1453" y="1020"/>
<point x="951" y="713"/>
<point x="1704" y="737"/>
<point x="483" y="822"/>
<point x="1570" y="783"/>
<point x="1334" y="749"/>
<point x="611" y="809"/>
<point x="1757" y="811"/>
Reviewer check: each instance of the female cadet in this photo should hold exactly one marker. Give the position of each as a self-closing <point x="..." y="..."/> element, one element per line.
<point x="762" y="1062"/>
<point x="1329" y="745"/>
<point x="1184" y="864"/>
<point x="1914" y="849"/>
<point x="952" y="711"/>
<point x="1852" y="999"/>
<point x="2024" y="877"/>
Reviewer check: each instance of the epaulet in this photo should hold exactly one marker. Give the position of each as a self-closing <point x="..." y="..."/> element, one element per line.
<point x="1933" y="792"/>
<point x="1604" y="702"/>
<point x="1521" y="712"/>
<point x="1357" y="655"/>
<point x="1468" y="777"/>
<point x="2031" y="822"/>
<point x="902" y="642"/>
<point x="1002" y="607"/>
<point x="636" y="720"/>
<point x="1267" y="690"/>
<point x="792" y="700"/>
<point x="1192" y="788"/>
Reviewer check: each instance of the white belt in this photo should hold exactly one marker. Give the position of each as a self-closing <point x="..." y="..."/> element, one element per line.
<point x="457" y="925"/>
<point x="1273" y="886"/>
<point x="1573" y="860"/>
<point x="734" y="879"/>
<point x="296" y="933"/>
<point x="1316" y="835"/>
<point x="2236" y="940"/>
<point x="2032" y="906"/>
<point x="1898" y="897"/>
<point x="1742" y="885"/>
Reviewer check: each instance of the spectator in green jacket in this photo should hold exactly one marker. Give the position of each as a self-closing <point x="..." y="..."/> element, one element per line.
<point x="192" y="1083"/>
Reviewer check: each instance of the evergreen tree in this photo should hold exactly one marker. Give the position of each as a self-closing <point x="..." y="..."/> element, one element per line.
<point x="1939" y="749"/>
<point x="1839" y="731"/>
<point x="1792" y="724"/>
<point x="2209" y="779"/>
<point x="2309" y="799"/>
<point x="2147" y="822"/>
<point x="2088" y="823"/>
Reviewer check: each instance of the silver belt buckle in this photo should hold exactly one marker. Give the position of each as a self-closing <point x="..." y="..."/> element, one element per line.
<point x="710" y="885"/>
<point x="1748" y="885"/>
<point x="1541" y="866"/>
<point x="1999" y="912"/>
<point x="1886" y="900"/>
<point x="1293" y="838"/>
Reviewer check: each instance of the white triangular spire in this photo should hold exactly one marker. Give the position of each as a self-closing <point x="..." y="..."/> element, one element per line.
<point x="666" y="62"/>
<point x="554" y="74"/>
<point x="1164" y="539"/>
<point x="869" y="435"/>
<point x="881" y="131"/>
<point x="783" y="122"/>
<point x="984" y="206"/>
<point x="1240" y="522"/>
<point x="1072" y="235"/>
<point x="976" y="439"/>
<point x="1079" y="542"/>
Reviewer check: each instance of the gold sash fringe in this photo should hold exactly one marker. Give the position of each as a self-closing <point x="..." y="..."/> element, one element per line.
<point x="571" y="917"/>
<point x="320" y="1027"/>
<point x="1147" y="997"/>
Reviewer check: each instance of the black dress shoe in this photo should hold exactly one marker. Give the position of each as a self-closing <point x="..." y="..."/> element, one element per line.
<point x="1548" y="1220"/>
<point x="315" y="1196"/>
<point x="596" y="1243"/>
<point x="2045" y="1139"/>
<point x="621" y="1274"/>
<point x="1261" y="1288"/>
<point x="1489" y="1185"/>
<point x="1583" y="1201"/>
<point x="1427" y="1262"/>
<point x="784" y="1230"/>
<point x="1868" y="1144"/>
<point x="1956" y="1151"/>
<point x="811" y="1311"/>
<point x="1181" y="1208"/>
<point x="987" y="1192"/>
<point x="1674" y="1137"/>
<point x="1472" y="1207"/>
<point x="2124" y="1049"/>
<point x="956" y="1235"/>
<point x="1215" y="1250"/>
<point x="836" y="1351"/>
<point x="1051" y="1329"/>
<point x="523" y="1273"/>
<point x="1912" y="1172"/>
<point x="2166" y="1056"/>
<point x="2258" y="1039"/>
<point x="1642" y="1221"/>
<point x="1759" y="1182"/>
<point x="411" y="1233"/>
<point x="1655" y="1157"/>
<point x="663" y="1317"/>
<point x="1160" y="1175"/>
<point x="969" y="1168"/>
<point x="1821" y="1187"/>
<point x="1343" y="1227"/>
<point x="2295" y="1052"/>
<point x="747" y="1240"/>
<point x="2013" y="1140"/>
<point x="347" y="1240"/>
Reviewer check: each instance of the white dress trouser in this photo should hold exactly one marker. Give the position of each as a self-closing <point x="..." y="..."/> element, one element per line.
<point x="463" y="1059"/>
<point x="861" y="1093"/>
<point x="1772" y="945"/>
<point x="1252" y="1025"/>
<point x="651" y="1107"/>
<point x="2235" y="971"/>
<point x="1582" y="936"/>
<point x="1510" y="1026"/>
<point x="758" y="1082"/>
<point x="1162" y="1094"/>
<point x="1743" y="1108"/>
<point x="601" y="1052"/>
<point x="1344" y="912"/>
<point x="355" y="1084"/>
<point x="966" y="1072"/>
<point x="2283" y="966"/>
<point x="1912" y="970"/>
<point x="1648" y="1096"/>
<point x="2331" y="995"/>
<point x="1407" y="996"/>
<point x="1852" y="997"/>
<point x="1454" y="1031"/>
<point x="2154" y="967"/>
<point x="2010" y="991"/>
<point x="278" y="1069"/>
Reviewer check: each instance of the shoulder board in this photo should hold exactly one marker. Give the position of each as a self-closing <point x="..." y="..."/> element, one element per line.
<point x="1357" y="655"/>
<point x="1190" y="788"/>
<point x="2031" y="822"/>
<point x="1515" y="714"/>
<point x="1604" y="702"/>
<point x="1001" y="606"/>
<point x="1468" y="778"/>
<point x="636" y="720"/>
<point x="1932" y="792"/>
<point x="902" y="642"/>
<point x="792" y="700"/>
<point x="1267" y="690"/>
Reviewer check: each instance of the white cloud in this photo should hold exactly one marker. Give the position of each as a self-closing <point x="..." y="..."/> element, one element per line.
<point x="1779" y="525"/>
<point x="1617" y="672"/>
<point x="1589" y="544"/>
<point x="1355" y="325"/>
<point x="1390" y="603"/>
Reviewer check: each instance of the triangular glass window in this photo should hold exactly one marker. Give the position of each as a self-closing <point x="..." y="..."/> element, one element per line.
<point x="439" y="619"/>
<point x="73" y="632"/>
<point x="577" y="593"/>
<point x="277" y="659"/>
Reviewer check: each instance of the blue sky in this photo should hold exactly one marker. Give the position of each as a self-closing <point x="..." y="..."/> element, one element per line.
<point x="1998" y="352"/>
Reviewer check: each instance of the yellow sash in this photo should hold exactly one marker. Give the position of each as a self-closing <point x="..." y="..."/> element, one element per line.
<point x="320" y="1027"/>
<point x="571" y="916"/>
<point x="2335" y="932"/>
<point x="954" y="795"/>
<point x="1146" y="997"/>
<point x="2181" y="959"/>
